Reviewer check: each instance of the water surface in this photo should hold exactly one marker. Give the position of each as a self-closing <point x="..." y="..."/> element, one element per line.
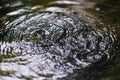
<point x="59" y="40"/>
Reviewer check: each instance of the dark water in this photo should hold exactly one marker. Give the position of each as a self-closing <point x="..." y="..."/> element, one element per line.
<point x="59" y="40"/>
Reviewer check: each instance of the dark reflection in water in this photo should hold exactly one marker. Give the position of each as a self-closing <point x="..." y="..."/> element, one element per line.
<point x="108" y="10"/>
<point x="57" y="40"/>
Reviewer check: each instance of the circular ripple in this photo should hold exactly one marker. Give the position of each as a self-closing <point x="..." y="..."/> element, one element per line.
<point x="67" y="41"/>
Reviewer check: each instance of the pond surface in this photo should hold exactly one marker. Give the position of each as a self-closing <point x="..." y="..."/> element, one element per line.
<point x="59" y="40"/>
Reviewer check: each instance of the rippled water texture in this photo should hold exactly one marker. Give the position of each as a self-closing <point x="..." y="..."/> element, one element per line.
<point x="42" y="40"/>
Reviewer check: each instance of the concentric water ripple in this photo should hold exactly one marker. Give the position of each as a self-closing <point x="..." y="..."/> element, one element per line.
<point x="53" y="45"/>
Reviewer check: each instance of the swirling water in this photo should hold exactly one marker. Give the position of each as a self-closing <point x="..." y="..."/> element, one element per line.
<point x="53" y="41"/>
